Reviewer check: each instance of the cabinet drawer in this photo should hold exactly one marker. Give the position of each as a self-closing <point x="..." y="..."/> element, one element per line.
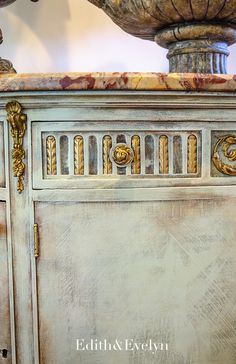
<point x="84" y="154"/>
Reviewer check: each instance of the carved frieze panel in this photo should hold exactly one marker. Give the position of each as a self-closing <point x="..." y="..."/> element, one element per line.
<point x="157" y="153"/>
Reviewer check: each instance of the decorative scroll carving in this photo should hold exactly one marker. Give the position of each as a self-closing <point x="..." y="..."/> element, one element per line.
<point x="79" y="155"/>
<point x="122" y="154"/>
<point x="107" y="164"/>
<point x="192" y="154"/>
<point x="164" y="154"/>
<point x="51" y="156"/>
<point x="225" y="144"/>
<point x="136" y="164"/>
<point x="17" y="121"/>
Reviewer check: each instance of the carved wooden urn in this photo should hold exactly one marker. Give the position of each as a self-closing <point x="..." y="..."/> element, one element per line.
<point x="197" y="33"/>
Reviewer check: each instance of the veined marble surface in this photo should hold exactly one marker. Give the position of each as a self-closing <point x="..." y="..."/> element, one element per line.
<point x="117" y="81"/>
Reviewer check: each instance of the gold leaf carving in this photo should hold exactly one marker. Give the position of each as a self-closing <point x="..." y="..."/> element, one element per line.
<point x="164" y="154"/>
<point x="17" y="121"/>
<point x="136" y="164"/>
<point x="224" y="144"/>
<point x="79" y="155"/>
<point x="107" y="164"/>
<point x="51" y="155"/>
<point x="192" y="154"/>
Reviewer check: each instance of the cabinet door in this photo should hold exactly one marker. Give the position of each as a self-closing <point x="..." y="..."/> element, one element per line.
<point x="5" y="338"/>
<point x="158" y="270"/>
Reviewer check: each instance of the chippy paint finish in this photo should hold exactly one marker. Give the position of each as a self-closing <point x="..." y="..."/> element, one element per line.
<point x="131" y="252"/>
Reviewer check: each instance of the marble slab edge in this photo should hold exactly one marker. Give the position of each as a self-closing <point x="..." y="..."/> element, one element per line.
<point x="117" y="81"/>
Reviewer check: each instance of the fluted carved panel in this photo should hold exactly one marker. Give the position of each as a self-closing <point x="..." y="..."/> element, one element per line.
<point x="157" y="153"/>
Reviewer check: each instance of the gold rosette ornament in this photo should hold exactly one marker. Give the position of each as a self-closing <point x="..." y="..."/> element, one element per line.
<point x="122" y="155"/>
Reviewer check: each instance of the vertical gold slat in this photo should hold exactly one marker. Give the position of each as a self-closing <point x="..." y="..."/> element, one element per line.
<point x="51" y="155"/>
<point x="136" y="164"/>
<point x="107" y="164"/>
<point x="79" y="155"/>
<point x="192" y="154"/>
<point x="36" y="240"/>
<point x="164" y="154"/>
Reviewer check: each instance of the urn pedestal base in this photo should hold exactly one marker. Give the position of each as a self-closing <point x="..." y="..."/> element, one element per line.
<point x="197" y="48"/>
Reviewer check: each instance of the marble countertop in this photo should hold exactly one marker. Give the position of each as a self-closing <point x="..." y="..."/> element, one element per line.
<point x="117" y="81"/>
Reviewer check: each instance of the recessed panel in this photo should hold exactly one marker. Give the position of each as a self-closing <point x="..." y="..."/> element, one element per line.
<point x="145" y="271"/>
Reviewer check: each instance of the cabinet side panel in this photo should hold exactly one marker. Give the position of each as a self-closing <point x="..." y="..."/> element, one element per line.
<point x="5" y="335"/>
<point x="2" y="157"/>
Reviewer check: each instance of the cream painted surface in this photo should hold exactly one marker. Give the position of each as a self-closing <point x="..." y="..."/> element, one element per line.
<point x="73" y="35"/>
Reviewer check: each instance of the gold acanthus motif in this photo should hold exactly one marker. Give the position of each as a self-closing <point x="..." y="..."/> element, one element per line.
<point x="79" y="155"/>
<point x="122" y="154"/>
<point x="17" y="121"/>
<point x="164" y="154"/>
<point x="224" y="144"/>
<point x="51" y="155"/>
<point x="107" y="165"/>
<point x="192" y="154"/>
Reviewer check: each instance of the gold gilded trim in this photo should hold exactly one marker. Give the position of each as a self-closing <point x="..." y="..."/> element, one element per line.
<point x="17" y="120"/>
<point x="122" y="155"/>
<point x="36" y="240"/>
<point x="78" y="155"/>
<point x="224" y="144"/>
<point x="164" y="154"/>
<point x="51" y="155"/>
<point x="107" y="164"/>
<point x="136" y="164"/>
<point x="192" y="154"/>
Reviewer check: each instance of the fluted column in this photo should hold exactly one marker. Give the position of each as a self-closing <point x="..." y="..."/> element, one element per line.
<point x="197" y="48"/>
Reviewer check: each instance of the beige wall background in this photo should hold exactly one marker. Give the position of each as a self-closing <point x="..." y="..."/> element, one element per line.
<point x="73" y="35"/>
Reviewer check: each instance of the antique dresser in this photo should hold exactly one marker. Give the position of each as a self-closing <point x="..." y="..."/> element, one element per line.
<point x="118" y="195"/>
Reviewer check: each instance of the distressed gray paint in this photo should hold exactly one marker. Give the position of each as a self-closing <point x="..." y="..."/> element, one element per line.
<point x="155" y="256"/>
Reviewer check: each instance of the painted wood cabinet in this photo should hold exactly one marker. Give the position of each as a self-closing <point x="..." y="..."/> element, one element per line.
<point x="119" y="225"/>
